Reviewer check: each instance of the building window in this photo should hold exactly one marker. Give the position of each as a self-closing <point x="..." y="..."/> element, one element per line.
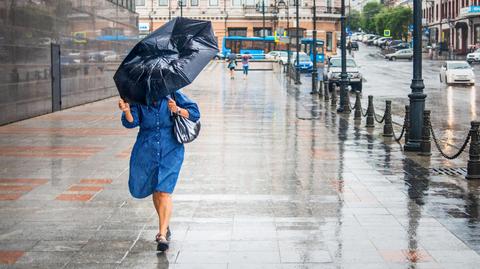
<point x="213" y="2"/>
<point x="258" y="31"/>
<point x="237" y="31"/>
<point x="294" y="33"/>
<point x="194" y="3"/>
<point x="476" y="34"/>
<point x="182" y="3"/>
<point x="163" y="3"/>
<point x="329" y="41"/>
<point x="236" y="3"/>
<point x="140" y="2"/>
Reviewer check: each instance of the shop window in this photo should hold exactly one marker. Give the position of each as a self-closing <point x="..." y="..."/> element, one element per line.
<point x="163" y="3"/>
<point x="213" y="2"/>
<point x="140" y="2"/>
<point x="237" y="31"/>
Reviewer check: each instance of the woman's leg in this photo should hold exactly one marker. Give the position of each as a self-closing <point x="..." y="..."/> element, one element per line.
<point x="163" y="205"/>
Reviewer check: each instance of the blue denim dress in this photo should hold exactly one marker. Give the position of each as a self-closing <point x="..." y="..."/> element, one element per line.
<point x="156" y="157"/>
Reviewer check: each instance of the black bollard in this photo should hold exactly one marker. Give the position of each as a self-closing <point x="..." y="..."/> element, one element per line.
<point x="346" y="103"/>
<point x="407" y="123"/>
<point x="326" y="95"/>
<point x="334" y="97"/>
<point x="358" y="107"/>
<point x="320" y="90"/>
<point x="426" y="145"/>
<point x="370" y="111"/>
<point x="473" y="167"/>
<point x="388" y="127"/>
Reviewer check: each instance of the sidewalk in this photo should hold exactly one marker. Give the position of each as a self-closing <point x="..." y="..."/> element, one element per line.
<point x="274" y="181"/>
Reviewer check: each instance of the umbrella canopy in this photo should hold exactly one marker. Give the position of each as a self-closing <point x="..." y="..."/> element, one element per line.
<point x="166" y="60"/>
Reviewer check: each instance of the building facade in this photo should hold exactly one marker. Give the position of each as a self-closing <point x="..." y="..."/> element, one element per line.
<point x="454" y="25"/>
<point x="245" y="17"/>
<point x="61" y="53"/>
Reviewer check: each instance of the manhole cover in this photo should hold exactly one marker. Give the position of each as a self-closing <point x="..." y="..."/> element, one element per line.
<point x="458" y="171"/>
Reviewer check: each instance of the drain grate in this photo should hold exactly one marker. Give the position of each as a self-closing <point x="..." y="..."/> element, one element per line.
<point x="454" y="171"/>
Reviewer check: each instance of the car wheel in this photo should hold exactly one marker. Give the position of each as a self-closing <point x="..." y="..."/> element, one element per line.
<point x="330" y="87"/>
<point x="358" y="87"/>
<point x="446" y="80"/>
<point x="394" y="58"/>
<point x="216" y="58"/>
<point x="411" y="58"/>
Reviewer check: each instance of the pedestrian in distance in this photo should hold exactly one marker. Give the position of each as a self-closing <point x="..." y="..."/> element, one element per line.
<point x="232" y="64"/>
<point x="157" y="156"/>
<point x="245" y="61"/>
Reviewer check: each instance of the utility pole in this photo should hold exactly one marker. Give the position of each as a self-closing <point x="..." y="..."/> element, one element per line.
<point x="417" y="97"/>
<point x="263" y="18"/>
<point x="181" y="8"/>
<point x="297" y="41"/>
<point x="314" y="50"/>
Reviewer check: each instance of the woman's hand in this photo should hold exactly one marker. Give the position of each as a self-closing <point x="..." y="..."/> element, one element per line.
<point x="172" y="106"/>
<point x="123" y="106"/>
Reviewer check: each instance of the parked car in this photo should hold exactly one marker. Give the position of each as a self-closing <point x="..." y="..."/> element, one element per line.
<point x="304" y="64"/>
<point x="392" y="43"/>
<point x="282" y="57"/>
<point x="400" y="54"/>
<point x="458" y="72"/>
<point x="366" y="37"/>
<point x="382" y="41"/>
<point x="371" y="40"/>
<point x="272" y="55"/>
<point x="334" y="68"/>
<point x="354" y="45"/>
<point x="474" y="57"/>
<point x="400" y="46"/>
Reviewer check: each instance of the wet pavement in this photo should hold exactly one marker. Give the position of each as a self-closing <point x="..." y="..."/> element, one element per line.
<point x="276" y="180"/>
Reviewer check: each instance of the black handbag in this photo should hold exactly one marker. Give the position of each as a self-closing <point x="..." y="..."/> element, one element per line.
<point x="185" y="130"/>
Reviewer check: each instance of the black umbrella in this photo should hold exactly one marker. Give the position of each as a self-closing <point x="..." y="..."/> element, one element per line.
<point x="166" y="60"/>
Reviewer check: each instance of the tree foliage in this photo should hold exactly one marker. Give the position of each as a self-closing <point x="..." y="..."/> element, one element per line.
<point x="375" y="18"/>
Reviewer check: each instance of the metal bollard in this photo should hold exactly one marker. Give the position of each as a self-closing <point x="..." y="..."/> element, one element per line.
<point x="370" y="111"/>
<point x="358" y="107"/>
<point x="473" y="166"/>
<point x="346" y="103"/>
<point x="388" y="127"/>
<point x="326" y="95"/>
<point x="426" y="145"/>
<point x="407" y="123"/>
<point x="334" y="97"/>
<point x="320" y="90"/>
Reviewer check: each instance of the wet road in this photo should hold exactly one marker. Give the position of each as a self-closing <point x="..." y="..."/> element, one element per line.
<point x="275" y="180"/>
<point x="453" y="107"/>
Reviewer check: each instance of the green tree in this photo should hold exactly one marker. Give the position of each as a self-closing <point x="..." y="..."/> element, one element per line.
<point x="399" y="19"/>
<point x="368" y="13"/>
<point x="354" y="20"/>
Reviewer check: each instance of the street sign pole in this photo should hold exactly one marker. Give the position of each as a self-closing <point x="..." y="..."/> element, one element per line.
<point x="297" y="72"/>
<point x="314" y="50"/>
<point x="343" y="74"/>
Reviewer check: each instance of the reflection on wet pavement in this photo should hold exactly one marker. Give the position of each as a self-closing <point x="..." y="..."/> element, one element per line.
<point x="276" y="180"/>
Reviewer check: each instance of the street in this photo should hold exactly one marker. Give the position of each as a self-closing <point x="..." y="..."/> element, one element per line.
<point x="453" y="107"/>
<point x="275" y="180"/>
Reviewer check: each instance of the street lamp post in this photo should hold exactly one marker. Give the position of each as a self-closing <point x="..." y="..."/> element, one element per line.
<point x="417" y="97"/>
<point x="314" y="50"/>
<point x="297" y="72"/>
<point x="344" y="105"/>
<point x="263" y="18"/>
<point x="181" y="7"/>
<point x="282" y="2"/>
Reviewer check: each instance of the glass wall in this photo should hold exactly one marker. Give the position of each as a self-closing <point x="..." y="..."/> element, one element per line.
<point x="93" y="36"/>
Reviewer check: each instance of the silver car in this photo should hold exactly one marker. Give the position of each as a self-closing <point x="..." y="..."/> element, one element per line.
<point x="400" y="54"/>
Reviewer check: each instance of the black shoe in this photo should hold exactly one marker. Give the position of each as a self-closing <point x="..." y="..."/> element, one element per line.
<point x="162" y="243"/>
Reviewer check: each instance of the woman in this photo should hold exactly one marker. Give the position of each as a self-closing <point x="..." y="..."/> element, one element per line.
<point x="245" y="59"/>
<point x="232" y="63"/>
<point x="157" y="156"/>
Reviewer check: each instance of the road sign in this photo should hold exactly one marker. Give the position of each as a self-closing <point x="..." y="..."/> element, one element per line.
<point x="386" y="33"/>
<point x="283" y="39"/>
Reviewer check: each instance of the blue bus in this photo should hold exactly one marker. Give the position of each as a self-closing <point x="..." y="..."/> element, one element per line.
<point x="307" y="47"/>
<point x="255" y="46"/>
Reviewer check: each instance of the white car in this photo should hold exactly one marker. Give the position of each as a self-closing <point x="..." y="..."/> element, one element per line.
<point x="458" y="72"/>
<point x="282" y="57"/>
<point x="272" y="55"/>
<point x="474" y="56"/>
